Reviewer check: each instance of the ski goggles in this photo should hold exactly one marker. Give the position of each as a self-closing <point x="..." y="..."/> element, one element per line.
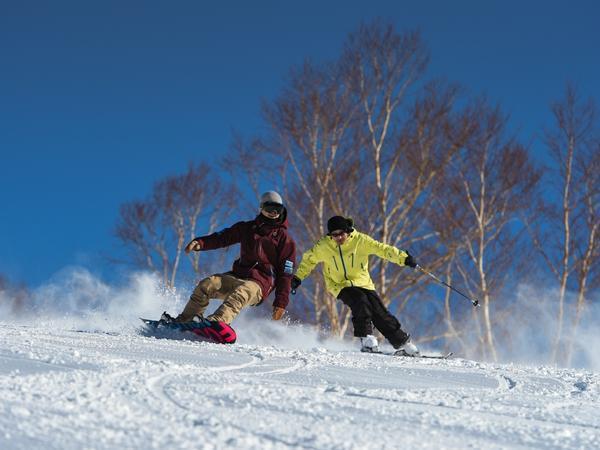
<point x="271" y="207"/>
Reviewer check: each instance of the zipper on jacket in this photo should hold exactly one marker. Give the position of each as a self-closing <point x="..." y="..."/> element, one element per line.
<point x="352" y="256"/>
<point x="344" y="266"/>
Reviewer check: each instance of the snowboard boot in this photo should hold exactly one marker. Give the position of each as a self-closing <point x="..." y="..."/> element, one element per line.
<point x="407" y="349"/>
<point x="199" y="318"/>
<point x="369" y="344"/>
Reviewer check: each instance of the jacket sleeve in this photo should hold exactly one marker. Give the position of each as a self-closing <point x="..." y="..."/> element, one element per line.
<point x="385" y="251"/>
<point x="310" y="259"/>
<point x="284" y="271"/>
<point x="223" y="238"/>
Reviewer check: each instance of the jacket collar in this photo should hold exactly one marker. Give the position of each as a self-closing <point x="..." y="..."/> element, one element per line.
<point x="282" y="222"/>
<point x="351" y="237"/>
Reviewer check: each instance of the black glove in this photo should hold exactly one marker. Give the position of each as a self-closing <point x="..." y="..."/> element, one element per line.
<point x="296" y="282"/>
<point x="410" y="261"/>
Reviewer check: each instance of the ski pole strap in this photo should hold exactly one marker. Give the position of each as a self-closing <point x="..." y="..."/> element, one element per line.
<point x="474" y="302"/>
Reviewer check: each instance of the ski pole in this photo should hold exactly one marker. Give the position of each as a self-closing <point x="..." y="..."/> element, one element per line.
<point x="475" y="302"/>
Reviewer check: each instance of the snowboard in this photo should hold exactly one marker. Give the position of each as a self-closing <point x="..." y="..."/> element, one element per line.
<point x="204" y="330"/>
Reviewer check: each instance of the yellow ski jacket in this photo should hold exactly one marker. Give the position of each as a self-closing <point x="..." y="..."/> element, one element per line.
<point x="347" y="265"/>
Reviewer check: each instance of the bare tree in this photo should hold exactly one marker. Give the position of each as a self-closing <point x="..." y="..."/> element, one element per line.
<point x="568" y="238"/>
<point x="408" y="134"/>
<point x="491" y="182"/>
<point x="587" y="246"/>
<point x="382" y="66"/>
<point x="313" y="121"/>
<point x="156" y="230"/>
<point x="433" y="131"/>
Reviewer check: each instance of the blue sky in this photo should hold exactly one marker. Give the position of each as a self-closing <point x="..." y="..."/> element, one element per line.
<point x="98" y="100"/>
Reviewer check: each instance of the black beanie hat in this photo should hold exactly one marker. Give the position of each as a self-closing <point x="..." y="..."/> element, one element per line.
<point x="339" y="223"/>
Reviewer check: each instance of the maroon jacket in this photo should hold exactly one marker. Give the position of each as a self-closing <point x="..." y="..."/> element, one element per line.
<point x="267" y="254"/>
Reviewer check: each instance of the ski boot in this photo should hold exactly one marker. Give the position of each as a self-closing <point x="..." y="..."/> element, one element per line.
<point x="369" y="344"/>
<point x="407" y="349"/>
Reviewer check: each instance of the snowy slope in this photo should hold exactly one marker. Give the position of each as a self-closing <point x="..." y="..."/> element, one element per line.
<point x="67" y="389"/>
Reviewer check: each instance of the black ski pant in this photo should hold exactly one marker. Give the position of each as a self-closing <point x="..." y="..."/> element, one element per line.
<point x="368" y="310"/>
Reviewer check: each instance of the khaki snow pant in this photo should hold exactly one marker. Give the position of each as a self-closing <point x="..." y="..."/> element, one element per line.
<point x="236" y="293"/>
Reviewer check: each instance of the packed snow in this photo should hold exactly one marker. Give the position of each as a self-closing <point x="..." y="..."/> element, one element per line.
<point x="87" y="381"/>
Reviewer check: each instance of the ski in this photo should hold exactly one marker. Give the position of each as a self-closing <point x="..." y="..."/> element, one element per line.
<point x="422" y="356"/>
<point x="446" y="356"/>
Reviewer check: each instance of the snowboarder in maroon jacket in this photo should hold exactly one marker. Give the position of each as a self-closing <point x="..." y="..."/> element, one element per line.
<point x="266" y="263"/>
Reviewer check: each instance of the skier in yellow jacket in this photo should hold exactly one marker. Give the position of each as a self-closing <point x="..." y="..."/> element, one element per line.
<point x="344" y="253"/>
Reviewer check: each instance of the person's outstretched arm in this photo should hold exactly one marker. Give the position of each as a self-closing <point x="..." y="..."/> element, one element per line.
<point x="220" y="239"/>
<point x="388" y="252"/>
<point x="310" y="259"/>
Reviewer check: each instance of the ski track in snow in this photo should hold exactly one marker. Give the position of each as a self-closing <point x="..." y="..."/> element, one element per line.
<point x="64" y="389"/>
